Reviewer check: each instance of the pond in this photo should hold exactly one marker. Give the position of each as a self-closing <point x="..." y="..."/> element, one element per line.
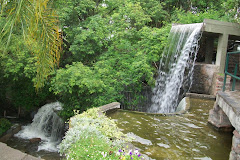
<point x="187" y="136"/>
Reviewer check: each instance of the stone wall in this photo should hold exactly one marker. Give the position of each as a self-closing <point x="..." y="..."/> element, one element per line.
<point x="204" y="78"/>
<point x="207" y="80"/>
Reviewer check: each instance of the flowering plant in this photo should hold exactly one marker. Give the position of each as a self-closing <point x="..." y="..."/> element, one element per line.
<point x="94" y="136"/>
<point x="129" y="155"/>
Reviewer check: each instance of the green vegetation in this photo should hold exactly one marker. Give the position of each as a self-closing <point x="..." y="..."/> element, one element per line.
<point x="87" y="53"/>
<point x="4" y="125"/>
<point x="110" y="52"/>
<point x="92" y="136"/>
<point x="37" y="24"/>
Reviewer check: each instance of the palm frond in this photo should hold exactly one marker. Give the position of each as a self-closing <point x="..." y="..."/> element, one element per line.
<point x="39" y="25"/>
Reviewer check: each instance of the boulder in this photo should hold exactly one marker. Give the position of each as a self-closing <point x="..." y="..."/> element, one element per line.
<point x="35" y="140"/>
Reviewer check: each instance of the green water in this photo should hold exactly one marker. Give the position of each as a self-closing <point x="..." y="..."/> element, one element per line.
<point x="176" y="137"/>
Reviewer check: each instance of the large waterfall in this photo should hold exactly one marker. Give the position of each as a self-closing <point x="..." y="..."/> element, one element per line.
<point x="176" y="68"/>
<point x="47" y="126"/>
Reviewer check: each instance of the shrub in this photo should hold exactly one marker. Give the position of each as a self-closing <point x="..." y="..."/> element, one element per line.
<point x="4" y="125"/>
<point x="94" y="136"/>
<point x="78" y="88"/>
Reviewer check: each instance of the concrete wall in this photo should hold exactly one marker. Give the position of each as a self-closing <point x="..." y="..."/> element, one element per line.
<point x="204" y="78"/>
<point x="207" y="80"/>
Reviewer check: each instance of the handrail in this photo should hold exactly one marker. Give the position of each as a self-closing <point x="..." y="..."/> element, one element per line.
<point x="234" y="75"/>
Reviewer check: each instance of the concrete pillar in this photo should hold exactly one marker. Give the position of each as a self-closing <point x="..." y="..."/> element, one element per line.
<point x="209" y="50"/>
<point x="235" y="153"/>
<point x="222" y="51"/>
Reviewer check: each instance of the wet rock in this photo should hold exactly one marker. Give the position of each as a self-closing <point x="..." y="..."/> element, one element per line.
<point x="32" y="114"/>
<point x="35" y="140"/>
<point x="8" y="134"/>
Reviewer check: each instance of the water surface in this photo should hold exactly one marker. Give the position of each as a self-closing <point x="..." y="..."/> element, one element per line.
<point x="187" y="136"/>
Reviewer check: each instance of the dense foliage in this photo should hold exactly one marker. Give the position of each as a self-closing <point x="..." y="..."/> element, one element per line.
<point x="37" y="24"/>
<point x="4" y="125"/>
<point x="18" y="74"/>
<point x="111" y="49"/>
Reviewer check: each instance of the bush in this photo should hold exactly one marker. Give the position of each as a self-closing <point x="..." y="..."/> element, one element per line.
<point x="78" y="87"/>
<point x="92" y="136"/>
<point x="4" y="125"/>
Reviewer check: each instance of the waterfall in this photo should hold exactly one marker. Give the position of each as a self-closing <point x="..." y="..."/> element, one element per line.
<point x="176" y="68"/>
<point x="46" y="125"/>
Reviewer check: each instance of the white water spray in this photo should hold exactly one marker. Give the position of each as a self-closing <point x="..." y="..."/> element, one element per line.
<point x="176" y="68"/>
<point x="46" y="125"/>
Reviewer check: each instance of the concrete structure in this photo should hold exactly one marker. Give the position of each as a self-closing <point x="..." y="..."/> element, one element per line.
<point x="8" y="153"/>
<point x="224" y="31"/>
<point x="108" y="107"/>
<point x="204" y="78"/>
<point x="208" y="76"/>
<point x="207" y="80"/>
<point x="225" y="115"/>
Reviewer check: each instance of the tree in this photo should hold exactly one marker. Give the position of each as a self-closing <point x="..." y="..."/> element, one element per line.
<point x="18" y="69"/>
<point x="39" y="25"/>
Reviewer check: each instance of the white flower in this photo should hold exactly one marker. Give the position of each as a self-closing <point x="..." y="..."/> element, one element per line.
<point x="136" y="152"/>
<point x="104" y="154"/>
<point x="117" y="153"/>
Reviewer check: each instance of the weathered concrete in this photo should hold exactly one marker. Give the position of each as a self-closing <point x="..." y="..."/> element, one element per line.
<point x="203" y="78"/>
<point x="207" y="80"/>
<point x="219" y="119"/>
<point x="226" y="113"/>
<point x="8" y="153"/>
<point x="228" y="106"/>
<point x="218" y="82"/>
<point x="110" y="106"/>
<point x="220" y="27"/>
<point x="235" y="153"/>
<point x="222" y="52"/>
<point x="229" y="102"/>
<point x="201" y="96"/>
<point x="209" y="50"/>
<point x="224" y="31"/>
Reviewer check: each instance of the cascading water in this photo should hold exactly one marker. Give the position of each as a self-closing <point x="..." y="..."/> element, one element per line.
<point x="176" y="68"/>
<point x="46" y="125"/>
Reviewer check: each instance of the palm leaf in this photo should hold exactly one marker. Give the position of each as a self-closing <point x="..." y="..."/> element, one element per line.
<point x="39" y="25"/>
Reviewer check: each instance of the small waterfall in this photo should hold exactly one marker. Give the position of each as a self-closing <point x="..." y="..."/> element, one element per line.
<point x="46" y="125"/>
<point x="176" y="68"/>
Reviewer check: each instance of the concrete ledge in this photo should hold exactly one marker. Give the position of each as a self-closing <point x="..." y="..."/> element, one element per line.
<point x="110" y="106"/>
<point x="201" y="96"/>
<point x="214" y="26"/>
<point x="8" y="153"/>
<point x="230" y="104"/>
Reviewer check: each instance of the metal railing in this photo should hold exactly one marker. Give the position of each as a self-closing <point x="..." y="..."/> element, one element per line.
<point x="234" y="75"/>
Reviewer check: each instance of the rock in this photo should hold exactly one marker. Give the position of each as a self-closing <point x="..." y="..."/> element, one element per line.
<point x="32" y="114"/>
<point x="9" y="133"/>
<point x="35" y="140"/>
